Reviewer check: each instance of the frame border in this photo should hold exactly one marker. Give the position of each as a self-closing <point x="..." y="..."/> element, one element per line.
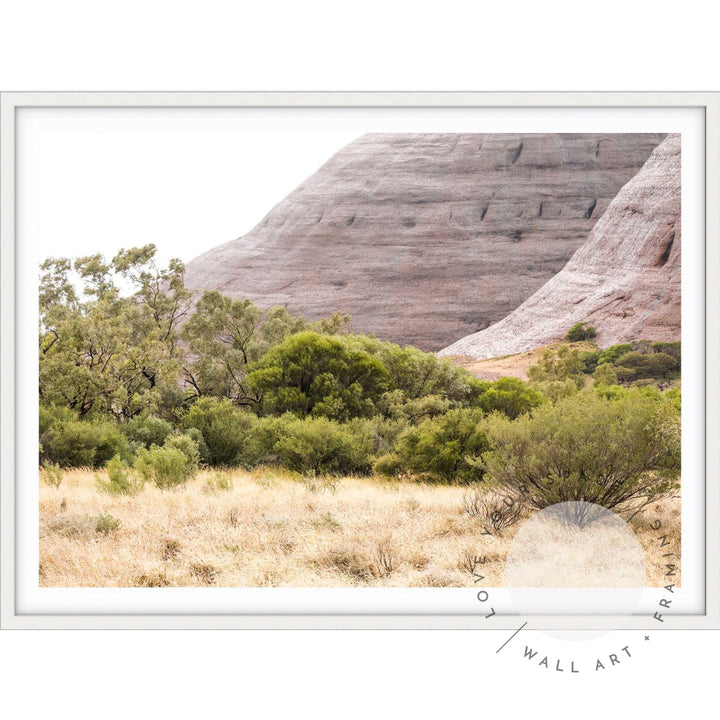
<point x="10" y="618"/>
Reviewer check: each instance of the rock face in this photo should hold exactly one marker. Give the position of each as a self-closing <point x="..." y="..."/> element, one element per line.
<point x="424" y="238"/>
<point x="625" y="279"/>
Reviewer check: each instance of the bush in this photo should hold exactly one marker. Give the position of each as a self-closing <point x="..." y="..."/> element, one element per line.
<point x="395" y="404"/>
<point x="611" y="354"/>
<point x="441" y="449"/>
<point x="619" y="454"/>
<point x="555" y="390"/>
<point x="510" y="396"/>
<point x="188" y="447"/>
<point x="322" y="446"/>
<point x="590" y="361"/>
<point x="636" y="365"/>
<point x="121" y="479"/>
<point x="165" y="466"/>
<point x="77" y="443"/>
<point x="319" y="375"/>
<point x="605" y="375"/>
<point x="147" y="431"/>
<point x="52" y="474"/>
<point x="105" y="524"/>
<point x="580" y="331"/>
<point x="559" y="364"/>
<point x="224" y="429"/>
<point x="669" y="348"/>
<point x="419" y="374"/>
<point x="220" y="482"/>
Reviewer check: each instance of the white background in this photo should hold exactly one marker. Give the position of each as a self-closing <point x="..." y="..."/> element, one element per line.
<point x="349" y="46"/>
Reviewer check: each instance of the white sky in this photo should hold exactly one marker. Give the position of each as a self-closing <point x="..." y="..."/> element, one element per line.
<point x="188" y="179"/>
<point x="99" y="181"/>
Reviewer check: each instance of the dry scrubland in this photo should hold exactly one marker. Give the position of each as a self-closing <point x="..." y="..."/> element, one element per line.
<point x="273" y="529"/>
<point x="515" y="365"/>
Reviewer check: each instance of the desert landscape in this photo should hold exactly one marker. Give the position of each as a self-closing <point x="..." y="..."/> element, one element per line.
<point x="431" y="339"/>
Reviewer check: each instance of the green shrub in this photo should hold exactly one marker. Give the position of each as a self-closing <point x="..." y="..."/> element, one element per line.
<point x="167" y="467"/>
<point x="605" y="375"/>
<point x="636" y="365"/>
<point x="559" y="364"/>
<point x="580" y="331"/>
<point x="77" y="443"/>
<point x="121" y="479"/>
<point x="189" y="448"/>
<point x="224" y="429"/>
<point x="147" y="431"/>
<point x="510" y="396"/>
<point x="197" y="437"/>
<point x="669" y="348"/>
<point x="319" y="375"/>
<point x="52" y="474"/>
<point x="619" y="454"/>
<point x="105" y="524"/>
<point x="51" y="414"/>
<point x="321" y="446"/>
<point x="555" y="390"/>
<point x="316" y="445"/>
<point x="590" y="361"/>
<point x="418" y="374"/>
<point x="441" y="449"/>
<point x="611" y="354"/>
<point x="395" y="404"/>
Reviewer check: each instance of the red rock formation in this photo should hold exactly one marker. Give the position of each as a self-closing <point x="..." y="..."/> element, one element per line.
<point x="624" y="280"/>
<point x="424" y="238"/>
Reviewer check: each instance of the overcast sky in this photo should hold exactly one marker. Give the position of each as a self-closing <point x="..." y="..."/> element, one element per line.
<point x="95" y="182"/>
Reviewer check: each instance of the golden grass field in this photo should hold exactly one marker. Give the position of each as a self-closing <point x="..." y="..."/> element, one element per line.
<point x="271" y="529"/>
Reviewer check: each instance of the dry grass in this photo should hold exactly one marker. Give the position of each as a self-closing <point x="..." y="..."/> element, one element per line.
<point x="269" y="528"/>
<point x="513" y="365"/>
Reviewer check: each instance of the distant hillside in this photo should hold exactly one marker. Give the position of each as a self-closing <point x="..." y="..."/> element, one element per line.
<point x="624" y="280"/>
<point x="424" y="238"/>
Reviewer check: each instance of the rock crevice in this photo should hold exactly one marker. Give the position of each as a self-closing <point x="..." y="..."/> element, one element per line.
<point x="425" y="238"/>
<point x="624" y="280"/>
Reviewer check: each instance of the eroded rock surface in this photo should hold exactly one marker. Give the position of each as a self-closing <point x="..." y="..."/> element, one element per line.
<point x="624" y="280"/>
<point x="424" y="238"/>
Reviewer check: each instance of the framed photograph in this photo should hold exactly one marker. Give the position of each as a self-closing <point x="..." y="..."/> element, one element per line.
<point x="360" y="360"/>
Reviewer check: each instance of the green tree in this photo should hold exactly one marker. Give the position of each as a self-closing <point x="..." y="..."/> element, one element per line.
<point x="637" y="365"/>
<point x="109" y="354"/>
<point x="225" y="336"/>
<point x="605" y="375"/>
<point x="510" y="396"/>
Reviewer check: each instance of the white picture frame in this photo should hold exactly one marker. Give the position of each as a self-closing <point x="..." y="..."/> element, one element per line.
<point x="117" y="609"/>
